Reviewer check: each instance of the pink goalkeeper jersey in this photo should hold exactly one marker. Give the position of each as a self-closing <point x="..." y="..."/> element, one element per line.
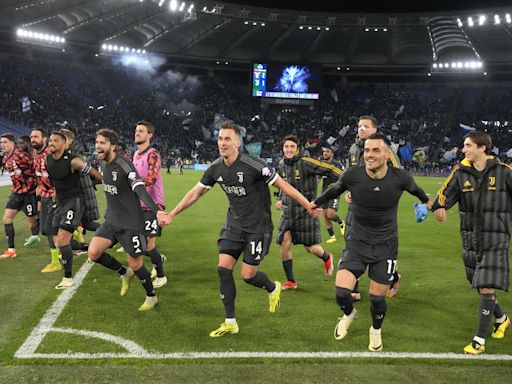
<point x="148" y="165"/>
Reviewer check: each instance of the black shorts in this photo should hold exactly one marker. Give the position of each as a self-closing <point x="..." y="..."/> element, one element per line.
<point x="68" y="214"/>
<point x="380" y="257"/>
<point x="333" y="204"/>
<point x="46" y="217"/>
<point x="133" y="241"/>
<point x="23" y="202"/>
<point x="232" y="241"/>
<point x="151" y="227"/>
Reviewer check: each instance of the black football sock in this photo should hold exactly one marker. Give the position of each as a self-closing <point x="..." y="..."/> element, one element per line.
<point x="51" y="243"/>
<point x="356" y="287"/>
<point x="227" y="291"/>
<point x="261" y="280"/>
<point x="487" y="306"/>
<point x="156" y="259"/>
<point x="67" y="260"/>
<point x="288" y="270"/>
<point x="145" y="278"/>
<point x="9" y="234"/>
<point x="111" y="263"/>
<point x="378" y="309"/>
<point x="337" y="219"/>
<point x="324" y="257"/>
<point x="330" y="231"/>
<point x="498" y="312"/>
<point x="344" y="300"/>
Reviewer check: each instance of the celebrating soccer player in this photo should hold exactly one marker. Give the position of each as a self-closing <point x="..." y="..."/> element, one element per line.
<point x="482" y="186"/>
<point x="373" y="238"/>
<point x="248" y="227"/>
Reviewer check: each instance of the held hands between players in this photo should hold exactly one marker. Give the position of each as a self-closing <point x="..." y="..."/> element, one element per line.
<point x="163" y="218"/>
<point x="314" y="211"/>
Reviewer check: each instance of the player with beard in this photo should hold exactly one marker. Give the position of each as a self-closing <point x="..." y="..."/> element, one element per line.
<point x="373" y="239"/>
<point x="64" y="170"/>
<point x="124" y="219"/>
<point x="46" y="192"/>
<point x="20" y="166"/>
<point x="148" y="163"/>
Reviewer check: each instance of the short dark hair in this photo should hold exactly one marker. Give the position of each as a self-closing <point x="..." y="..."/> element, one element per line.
<point x="231" y="125"/>
<point x="24" y="138"/>
<point x="59" y="133"/>
<point x="40" y="130"/>
<point x="8" y="136"/>
<point x="292" y="137"/>
<point x="371" y="118"/>
<point x="109" y="134"/>
<point x="480" y="138"/>
<point x="147" y="124"/>
<point x="380" y="136"/>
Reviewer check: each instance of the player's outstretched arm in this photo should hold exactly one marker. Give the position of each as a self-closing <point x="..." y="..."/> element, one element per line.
<point x="77" y="164"/>
<point x="294" y="194"/>
<point x="190" y="198"/>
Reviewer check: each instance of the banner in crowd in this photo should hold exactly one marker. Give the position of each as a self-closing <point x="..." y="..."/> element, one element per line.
<point x="406" y="153"/>
<point x="466" y="128"/>
<point x="254" y="149"/>
<point x="25" y="104"/>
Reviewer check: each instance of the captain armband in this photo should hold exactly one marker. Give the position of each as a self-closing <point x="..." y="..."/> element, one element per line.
<point x="86" y="169"/>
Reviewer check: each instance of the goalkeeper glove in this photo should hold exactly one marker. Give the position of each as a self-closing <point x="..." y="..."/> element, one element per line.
<point x="421" y="211"/>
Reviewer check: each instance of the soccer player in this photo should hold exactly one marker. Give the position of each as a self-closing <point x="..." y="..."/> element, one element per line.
<point x="482" y="186"/>
<point x="148" y="163"/>
<point x="124" y="218"/>
<point x="64" y="170"/>
<point x="331" y="207"/>
<point x="248" y="227"/>
<point x="46" y="191"/>
<point x="373" y="239"/>
<point x="20" y="166"/>
<point x="295" y="225"/>
<point x="87" y="189"/>
<point x="367" y="126"/>
<point x="179" y="164"/>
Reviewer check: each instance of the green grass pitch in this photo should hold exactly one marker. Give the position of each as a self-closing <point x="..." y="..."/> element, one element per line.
<point x="435" y="311"/>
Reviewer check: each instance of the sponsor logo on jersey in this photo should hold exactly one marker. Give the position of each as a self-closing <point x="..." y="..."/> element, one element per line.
<point x="220" y="179"/>
<point x="112" y="189"/>
<point x="467" y="184"/>
<point x="132" y="176"/>
<point x="233" y="190"/>
<point x="376" y="189"/>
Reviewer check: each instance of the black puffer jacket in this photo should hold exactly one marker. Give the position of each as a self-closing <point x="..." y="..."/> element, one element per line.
<point x="485" y="205"/>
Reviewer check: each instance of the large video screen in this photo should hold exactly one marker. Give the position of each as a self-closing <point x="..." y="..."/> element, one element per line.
<point x="288" y="81"/>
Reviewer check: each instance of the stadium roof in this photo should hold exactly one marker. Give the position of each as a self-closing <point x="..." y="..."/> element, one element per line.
<point x="224" y="32"/>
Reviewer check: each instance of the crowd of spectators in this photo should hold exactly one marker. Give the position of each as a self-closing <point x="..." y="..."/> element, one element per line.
<point x="188" y="109"/>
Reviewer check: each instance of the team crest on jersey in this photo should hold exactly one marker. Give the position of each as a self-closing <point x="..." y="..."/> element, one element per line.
<point x="240" y="177"/>
<point x="114" y="175"/>
<point x="492" y="183"/>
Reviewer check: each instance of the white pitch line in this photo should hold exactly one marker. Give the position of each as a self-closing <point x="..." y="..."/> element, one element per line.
<point x="28" y="349"/>
<point x="132" y="347"/>
<point x="39" y="332"/>
<point x="266" y="355"/>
